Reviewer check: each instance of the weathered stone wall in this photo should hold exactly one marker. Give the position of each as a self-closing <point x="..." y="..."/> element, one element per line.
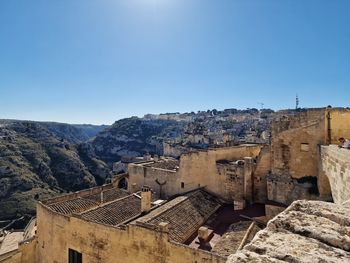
<point x="263" y="168"/>
<point x="335" y="163"/>
<point x="100" y="243"/>
<point x="168" y="181"/>
<point x="339" y="123"/>
<point x="26" y="253"/>
<point x="295" y="169"/>
<point x="294" y="143"/>
<point x="199" y="169"/>
<point x="233" y="177"/>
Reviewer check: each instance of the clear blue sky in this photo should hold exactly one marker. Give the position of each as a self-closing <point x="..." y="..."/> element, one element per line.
<point x="96" y="61"/>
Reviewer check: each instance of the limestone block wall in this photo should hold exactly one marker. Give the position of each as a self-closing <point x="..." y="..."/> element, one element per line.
<point x="335" y="163"/>
<point x="232" y="176"/>
<point x="294" y="143"/>
<point x="140" y="175"/>
<point x="101" y="243"/>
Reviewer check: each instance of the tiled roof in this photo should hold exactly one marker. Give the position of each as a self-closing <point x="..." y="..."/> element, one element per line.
<point x="108" y="195"/>
<point x="115" y="212"/>
<point x="185" y="215"/>
<point x="69" y="207"/>
<point x="84" y="203"/>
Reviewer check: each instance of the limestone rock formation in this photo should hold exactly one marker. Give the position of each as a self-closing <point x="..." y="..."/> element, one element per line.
<point x="308" y="231"/>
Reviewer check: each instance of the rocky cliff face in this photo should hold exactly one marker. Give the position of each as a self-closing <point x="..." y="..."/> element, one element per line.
<point x="36" y="163"/>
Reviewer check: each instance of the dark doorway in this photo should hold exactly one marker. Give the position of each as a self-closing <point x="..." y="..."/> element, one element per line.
<point x="74" y="256"/>
<point x="123" y="184"/>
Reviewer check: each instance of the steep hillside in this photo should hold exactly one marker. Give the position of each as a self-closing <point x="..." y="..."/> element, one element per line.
<point x="133" y="137"/>
<point x="72" y="133"/>
<point x="35" y="163"/>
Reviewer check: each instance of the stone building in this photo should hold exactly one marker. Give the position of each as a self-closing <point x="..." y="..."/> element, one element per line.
<point x="236" y="173"/>
<point x="295" y="150"/>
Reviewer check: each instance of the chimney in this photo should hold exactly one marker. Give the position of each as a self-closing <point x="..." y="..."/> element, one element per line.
<point x="164" y="227"/>
<point x="146" y="195"/>
<point x="102" y="196"/>
<point x="204" y="237"/>
<point x="134" y="188"/>
<point x="203" y="233"/>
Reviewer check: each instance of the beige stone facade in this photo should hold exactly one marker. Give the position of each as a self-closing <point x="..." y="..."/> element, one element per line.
<point x="295" y="144"/>
<point x="102" y="243"/>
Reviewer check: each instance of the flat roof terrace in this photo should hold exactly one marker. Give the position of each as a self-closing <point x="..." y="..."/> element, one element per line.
<point x="227" y="229"/>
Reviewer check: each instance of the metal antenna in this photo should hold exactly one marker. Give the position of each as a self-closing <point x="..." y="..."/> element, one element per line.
<point x="296" y="102"/>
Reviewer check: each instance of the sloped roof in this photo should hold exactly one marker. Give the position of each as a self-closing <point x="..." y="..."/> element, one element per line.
<point x="80" y="204"/>
<point x="69" y="207"/>
<point x="185" y="214"/>
<point x="115" y="212"/>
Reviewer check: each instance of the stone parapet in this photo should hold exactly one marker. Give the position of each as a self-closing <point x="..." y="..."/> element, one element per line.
<point x="335" y="164"/>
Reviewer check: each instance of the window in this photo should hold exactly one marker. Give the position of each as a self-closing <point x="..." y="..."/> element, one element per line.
<point x="182" y="185"/>
<point x="74" y="256"/>
<point x="304" y="147"/>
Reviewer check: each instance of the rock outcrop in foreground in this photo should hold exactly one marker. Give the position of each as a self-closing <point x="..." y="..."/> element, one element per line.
<point x="307" y="231"/>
